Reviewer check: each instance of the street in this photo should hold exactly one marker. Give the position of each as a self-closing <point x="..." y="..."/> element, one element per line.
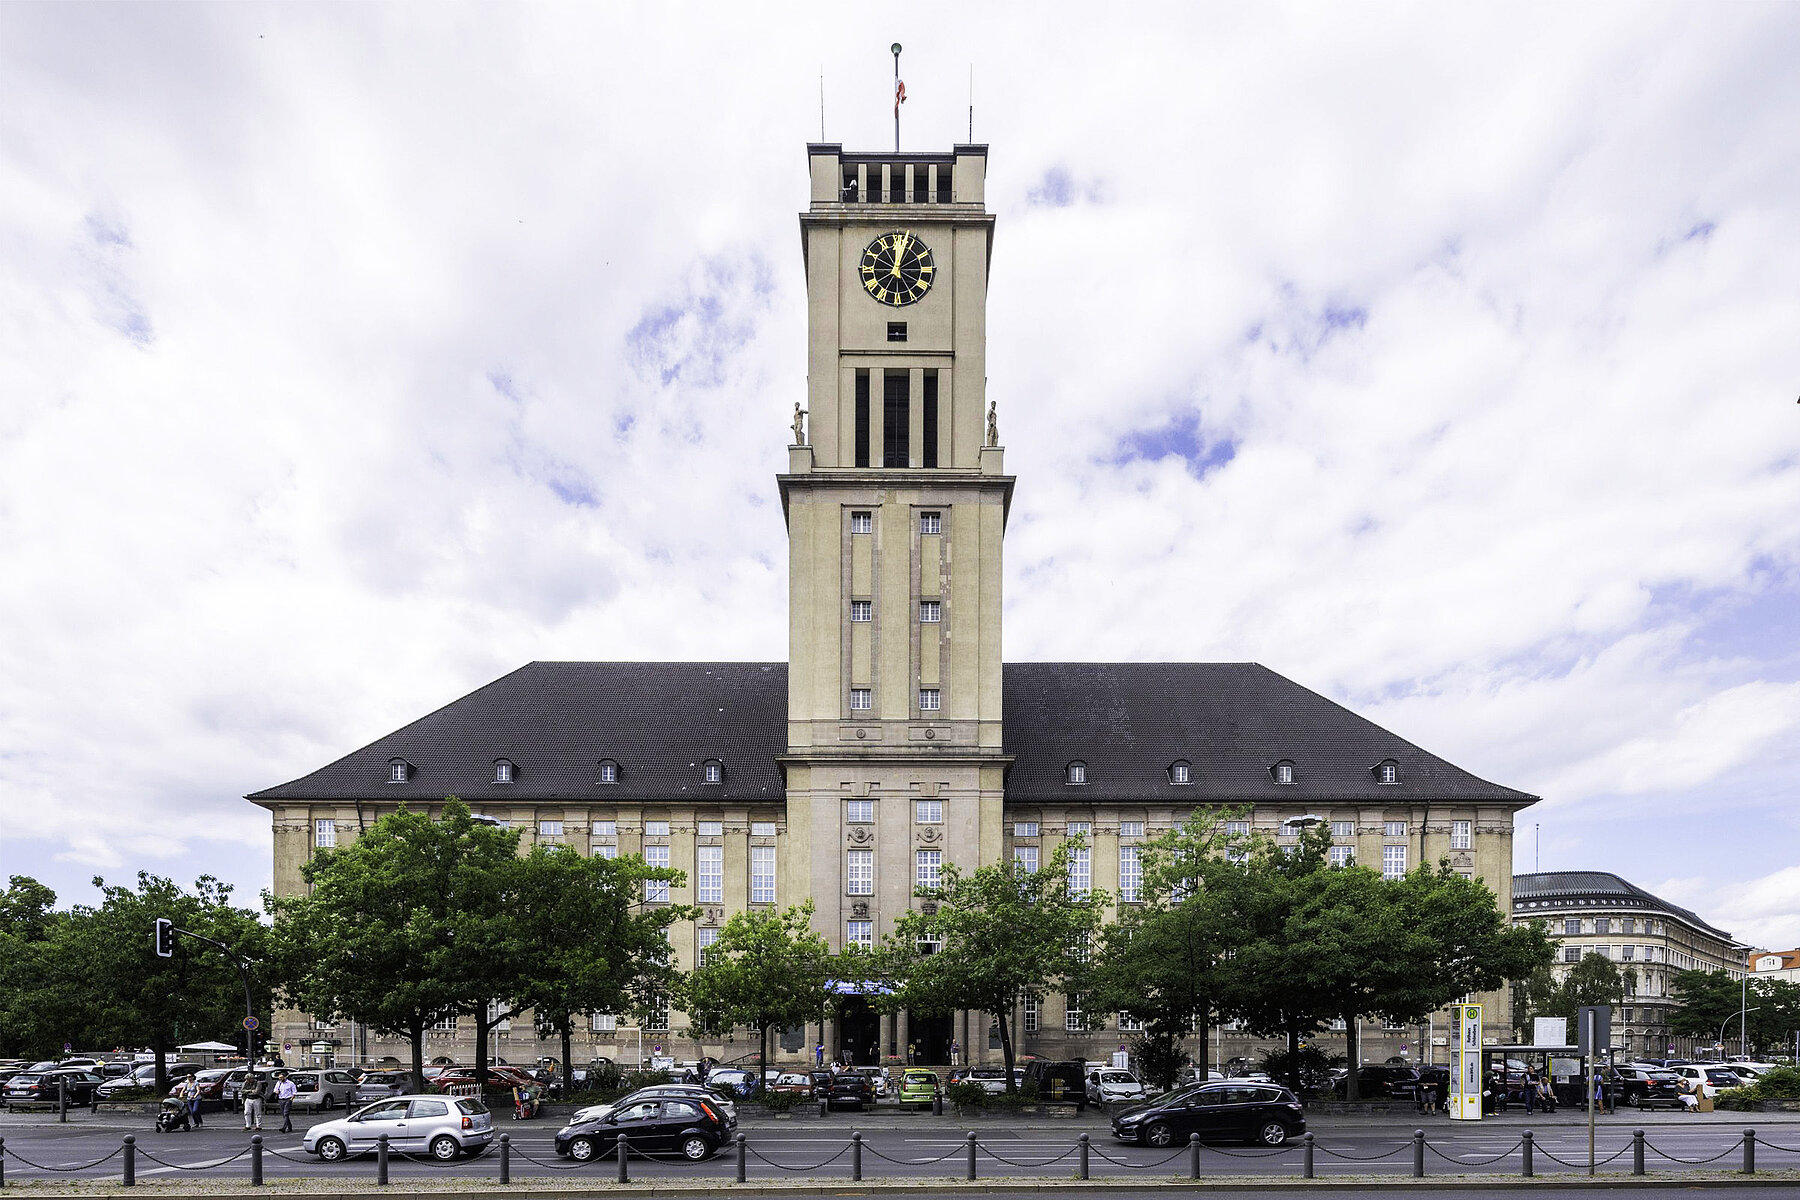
<point x="807" y="1148"/>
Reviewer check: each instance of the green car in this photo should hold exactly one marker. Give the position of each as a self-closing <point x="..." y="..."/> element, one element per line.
<point x="918" y="1087"/>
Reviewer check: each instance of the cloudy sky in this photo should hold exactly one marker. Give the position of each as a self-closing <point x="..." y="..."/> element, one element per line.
<point x="1443" y="358"/>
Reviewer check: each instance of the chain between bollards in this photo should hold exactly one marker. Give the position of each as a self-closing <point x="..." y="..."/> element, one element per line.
<point x="1418" y="1154"/>
<point x="971" y="1170"/>
<point x="623" y="1148"/>
<point x="855" y="1158"/>
<point x="506" y="1158"/>
<point x="1194" y="1156"/>
<point x="1083" y="1169"/>
<point x="1749" y="1151"/>
<point x="130" y="1179"/>
<point x="256" y="1160"/>
<point x="381" y="1160"/>
<point x="741" y="1164"/>
<point x="1525" y="1154"/>
<point x="1637" y="1152"/>
<point x="1306" y="1159"/>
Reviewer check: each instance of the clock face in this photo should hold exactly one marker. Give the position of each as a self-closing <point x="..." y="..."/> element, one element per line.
<point x="897" y="269"/>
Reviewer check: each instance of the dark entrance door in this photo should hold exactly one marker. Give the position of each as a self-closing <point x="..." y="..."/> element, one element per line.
<point x="859" y="1032"/>
<point x="930" y="1038"/>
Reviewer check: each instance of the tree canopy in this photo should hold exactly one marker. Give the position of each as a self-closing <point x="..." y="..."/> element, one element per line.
<point x="767" y="970"/>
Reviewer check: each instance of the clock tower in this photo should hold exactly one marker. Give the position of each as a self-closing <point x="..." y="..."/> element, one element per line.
<point x="896" y="508"/>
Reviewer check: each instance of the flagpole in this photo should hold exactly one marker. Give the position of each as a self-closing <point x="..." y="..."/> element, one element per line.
<point x="896" y="49"/>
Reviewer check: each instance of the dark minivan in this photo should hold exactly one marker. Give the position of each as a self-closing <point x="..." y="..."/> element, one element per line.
<point x="1058" y="1082"/>
<point x="1231" y="1111"/>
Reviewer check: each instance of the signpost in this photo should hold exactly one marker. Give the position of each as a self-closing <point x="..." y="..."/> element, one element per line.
<point x="1465" y="1064"/>
<point x="1596" y="1033"/>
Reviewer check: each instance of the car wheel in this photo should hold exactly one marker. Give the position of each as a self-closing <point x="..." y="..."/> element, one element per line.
<point x="444" y="1148"/>
<point x="329" y="1149"/>
<point x="695" y="1148"/>
<point x="326" y="1103"/>
<point x="1159" y="1134"/>
<point x="583" y="1149"/>
<point x="1273" y="1133"/>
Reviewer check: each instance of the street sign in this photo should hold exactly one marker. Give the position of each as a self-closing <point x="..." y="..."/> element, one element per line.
<point x="251" y="1023"/>
<point x="1465" y="1064"/>
<point x="1595" y="1034"/>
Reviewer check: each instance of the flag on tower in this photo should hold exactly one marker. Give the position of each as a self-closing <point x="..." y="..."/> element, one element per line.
<point x="899" y="95"/>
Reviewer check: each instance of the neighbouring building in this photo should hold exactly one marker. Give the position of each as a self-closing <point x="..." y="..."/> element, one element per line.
<point x="1775" y="964"/>
<point x="1596" y="912"/>
<point x="895" y="739"/>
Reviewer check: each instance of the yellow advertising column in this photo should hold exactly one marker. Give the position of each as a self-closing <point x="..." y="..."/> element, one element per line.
<point x="1465" y="1064"/>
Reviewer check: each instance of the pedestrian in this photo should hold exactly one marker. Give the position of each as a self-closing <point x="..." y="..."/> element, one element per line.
<point x="253" y="1101"/>
<point x="819" y="1055"/>
<point x="1441" y="1092"/>
<point x="955" y="1052"/>
<point x="284" y="1096"/>
<point x="192" y="1094"/>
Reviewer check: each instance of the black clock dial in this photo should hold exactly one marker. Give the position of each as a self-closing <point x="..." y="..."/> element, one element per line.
<point x="896" y="268"/>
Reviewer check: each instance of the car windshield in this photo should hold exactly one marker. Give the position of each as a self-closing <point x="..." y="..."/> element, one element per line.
<point x="1117" y="1077"/>
<point x="1719" y="1075"/>
<point x="25" y="1078"/>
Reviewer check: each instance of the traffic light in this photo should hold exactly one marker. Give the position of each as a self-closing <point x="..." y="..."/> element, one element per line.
<point x="165" y="937"/>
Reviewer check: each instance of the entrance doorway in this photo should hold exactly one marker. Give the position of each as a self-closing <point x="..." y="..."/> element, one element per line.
<point x="929" y="1036"/>
<point x="859" y="1032"/>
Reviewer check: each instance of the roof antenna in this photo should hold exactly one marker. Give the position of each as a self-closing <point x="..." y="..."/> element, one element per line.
<point x="971" y="104"/>
<point x="821" y="102"/>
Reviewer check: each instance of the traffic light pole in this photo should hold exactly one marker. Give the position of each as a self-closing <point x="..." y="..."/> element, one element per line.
<point x="244" y="974"/>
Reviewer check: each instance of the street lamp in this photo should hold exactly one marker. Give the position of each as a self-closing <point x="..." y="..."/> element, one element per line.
<point x="1722" y="1024"/>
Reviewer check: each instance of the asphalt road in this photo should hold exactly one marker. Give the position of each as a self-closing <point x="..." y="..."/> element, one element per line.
<point x="810" y="1149"/>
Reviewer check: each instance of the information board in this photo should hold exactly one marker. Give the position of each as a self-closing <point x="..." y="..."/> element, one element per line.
<point x="1465" y="1064"/>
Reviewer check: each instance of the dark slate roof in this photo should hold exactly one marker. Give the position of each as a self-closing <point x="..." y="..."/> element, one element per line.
<point x="1600" y="888"/>
<point x="1232" y="722"/>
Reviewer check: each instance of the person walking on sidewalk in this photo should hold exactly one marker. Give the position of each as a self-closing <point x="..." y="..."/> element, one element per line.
<point x="284" y="1096"/>
<point x="191" y="1093"/>
<point x="1530" y="1091"/>
<point x="253" y="1101"/>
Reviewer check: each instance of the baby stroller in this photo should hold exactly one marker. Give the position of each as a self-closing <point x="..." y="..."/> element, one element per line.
<point x="173" y="1114"/>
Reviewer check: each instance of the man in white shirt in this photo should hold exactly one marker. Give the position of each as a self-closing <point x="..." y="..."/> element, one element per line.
<point x="284" y="1095"/>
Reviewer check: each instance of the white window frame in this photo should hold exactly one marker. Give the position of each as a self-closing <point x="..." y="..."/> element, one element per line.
<point x="503" y="771"/>
<point x="860" y="933"/>
<point x="1077" y="772"/>
<point x="859" y="812"/>
<point x="603" y="1022"/>
<point x="1393" y="862"/>
<point x="1343" y="829"/>
<point x="1029" y="1010"/>
<point x="605" y="829"/>
<point x="1393" y="829"/>
<point x="604" y="850"/>
<point x="712" y="771"/>
<point x="1131" y="829"/>
<point x="928" y="812"/>
<point x="1131" y="875"/>
<point x="928" y="868"/>
<point x="709" y="875"/>
<point x="930" y="700"/>
<point x="397" y="772"/>
<point x="609" y="771"/>
<point x="703" y="941"/>
<point x="1026" y="857"/>
<point x="1388" y="773"/>
<point x="1237" y="829"/>
<point x="710" y="828"/>
<point x="656" y="891"/>
<point x="861" y="699"/>
<point x="1073" y="1019"/>
<point x="1129" y="1023"/>
<point x="862" y="610"/>
<point x="1078" y="828"/>
<point x="324" y="833"/>
<point x="762" y="829"/>
<point x="550" y="828"/>
<point x="1081" y="871"/>
<point x="1460" y="836"/>
<point x="1284" y="773"/>
<point x="862" y="522"/>
<point x="859" y="873"/>
<point x="1025" y="829"/>
<point x="1181" y="773"/>
<point x="931" y="522"/>
<point x="1341" y="856"/>
<point x="931" y="612"/>
<point x="762" y="874"/>
<point x="656" y="829"/>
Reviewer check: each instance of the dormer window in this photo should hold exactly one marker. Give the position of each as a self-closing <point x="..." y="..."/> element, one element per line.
<point x="1077" y="772"/>
<point x="1180" y="772"/>
<point x="609" y="771"/>
<point x="1387" y="771"/>
<point x="1283" y="772"/>
<point x="399" y="770"/>
<point x="503" y="770"/>
<point x="712" y="771"/>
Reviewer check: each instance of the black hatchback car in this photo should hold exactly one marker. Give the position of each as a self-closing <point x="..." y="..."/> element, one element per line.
<point x="686" y="1125"/>
<point x="1257" y="1112"/>
<point x="851" y="1090"/>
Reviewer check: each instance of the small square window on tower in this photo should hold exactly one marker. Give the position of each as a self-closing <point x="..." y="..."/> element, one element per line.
<point x="931" y="611"/>
<point x="930" y="522"/>
<point x="896" y="331"/>
<point x="861" y="522"/>
<point x="859" y="699"/>
<point x="928" y="699"/>
<point x="862" y="610"/>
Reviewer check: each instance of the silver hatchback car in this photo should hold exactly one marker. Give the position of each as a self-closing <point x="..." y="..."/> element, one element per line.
<point x="442" y="1126"/>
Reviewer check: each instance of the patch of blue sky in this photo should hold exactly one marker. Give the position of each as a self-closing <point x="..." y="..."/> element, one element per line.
<point x="106" y="232"/>
<point x="1302" y="330"/>
<point x="1059" y="189"/>
<point x="567" y="482"/>
<point x="1182" y="438"/>
<point x="1757" y="623"/>
<point x="692" y="340"/>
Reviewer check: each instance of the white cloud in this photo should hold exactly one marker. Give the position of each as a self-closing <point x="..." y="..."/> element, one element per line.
<point x="351" y="360"/>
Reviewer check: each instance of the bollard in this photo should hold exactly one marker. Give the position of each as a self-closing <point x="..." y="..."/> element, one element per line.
<point x="824" y="1105"/>
<point x="1194" y="1156"/>
<point x="1306" y="1159"/>
<point x="740" y="1150"/>
<point x="2" y="1162"/>
<point x="1637" y="1152"/>
<point x="1418" y="1154"/>
<point x="256" y="1160"/>
<point x="971" y="1172"/>
<point x="623" y="1146"/>
<point x="937" y="1104"/>
<point x="855" y="1157"/>
<point x="506" y="1158"/>
<point x="130" y="1179"/>
<point x="381" y="1153"/>
<point x="1082" y="1171"/>
<point x="62" y="1098"/>
<point x="1525" y="1154"/>
<point x="1749" y="1151"/>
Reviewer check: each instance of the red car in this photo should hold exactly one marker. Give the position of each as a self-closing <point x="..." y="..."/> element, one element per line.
<point x="499" y="1079"/>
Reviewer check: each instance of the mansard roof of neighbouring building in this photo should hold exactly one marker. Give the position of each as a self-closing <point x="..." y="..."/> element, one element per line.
<point x="1544" y="890"/>
<point x="1129" y="723"/>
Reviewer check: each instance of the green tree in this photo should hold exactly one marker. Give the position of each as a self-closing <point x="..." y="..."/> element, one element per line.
<point x="1168" y="959"/>
<point x="1711" y="1000"/>
<point x="30" y="1000"/>
<point x="619" y="962"/>
<point x="767" y="970"/>
<point x="998" y="936"/>
<point x="384" y="936"/>
<point x="1542" y="992"/>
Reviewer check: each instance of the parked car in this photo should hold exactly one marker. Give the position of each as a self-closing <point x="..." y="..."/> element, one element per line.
<point x="821" y="1081"/>
<point x="45" y="1087"/>
<point x="850" y="1089"/>
<point x="1191" y="1075"/>
<point x="143" y="1079"/>
<point x="877" y="1077"/>
<point x="1710" y="1078"/>
<point x="322" y="1090"/>
<point x="793" y="1083"/>
<point x="918" y="1086"/>
<point x="499" y="1079"/>
<point x="695" y="1091"/>
<point x="1258" y="1112"/>
<point x="383" y="1085"/>
<point x="441" y="1126"/>
<point x="740" y="1083"/>
<point x="1380" y="1081"/>
<point x="212" y="1082"/>
<point x="692" y="1126"/>
<point x="1112" y="1085"/>
<point x="991" y="1079"/>
<point x="233" y="1091"/>
<point x="1058" y="1082"/>
<point x="1640" y="1087"/>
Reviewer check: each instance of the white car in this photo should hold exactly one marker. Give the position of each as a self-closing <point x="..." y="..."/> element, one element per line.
<point x="1711" y="1078"/>
<point x="441" y="1126"/>
<point x="322" y="1089"/>
<point x="1113" y="1085"/>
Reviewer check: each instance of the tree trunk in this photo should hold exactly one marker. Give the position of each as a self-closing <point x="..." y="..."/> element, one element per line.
<point x="1353" y="1055"/>
<point x="1293" y="1046"/>
<point x="568" y="1053"/>
<point x="762" y="1058"/>
<point x="481" y="1053"/>
<point x="1006" y="1047"/>
<point x="415" y="1033"/>
<point x="1203" y="1027"/>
